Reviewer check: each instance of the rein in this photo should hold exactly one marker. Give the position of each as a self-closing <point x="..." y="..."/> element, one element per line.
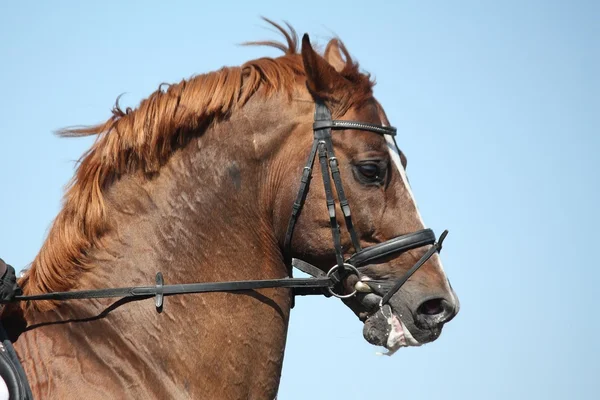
<point x="302" y="286"/>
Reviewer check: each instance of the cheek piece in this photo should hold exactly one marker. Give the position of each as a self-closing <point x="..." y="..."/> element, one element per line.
<point x="323" y="146"/>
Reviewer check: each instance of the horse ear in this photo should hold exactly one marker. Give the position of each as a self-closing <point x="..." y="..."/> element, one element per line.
<point x="333" y="55"/>
<point x="321" y="77"/>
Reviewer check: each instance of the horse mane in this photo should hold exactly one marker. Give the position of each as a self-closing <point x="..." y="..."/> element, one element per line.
<point x="141" y="140"/>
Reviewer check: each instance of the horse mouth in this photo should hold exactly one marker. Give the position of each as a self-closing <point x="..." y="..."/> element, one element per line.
<point x="385" y="328"/>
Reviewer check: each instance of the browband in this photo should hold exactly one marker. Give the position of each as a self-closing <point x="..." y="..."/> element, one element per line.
<point x="357" y="125"/>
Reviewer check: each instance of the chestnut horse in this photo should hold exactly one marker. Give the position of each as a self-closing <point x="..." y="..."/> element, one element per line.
<point x="199" y="182"/>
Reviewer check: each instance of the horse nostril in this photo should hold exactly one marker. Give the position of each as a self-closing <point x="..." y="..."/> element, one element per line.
<point x="431" y="307"/>
<point x="434" y="312"/>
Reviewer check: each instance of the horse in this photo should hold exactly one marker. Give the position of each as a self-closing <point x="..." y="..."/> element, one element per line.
<point x="199" y="182"/>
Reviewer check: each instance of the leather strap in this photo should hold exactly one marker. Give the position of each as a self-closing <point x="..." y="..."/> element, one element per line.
<point x="339" y="188"/>
<point x="307" y="268"/>
<point x="144" y="292"/>
<point x="335" y="228"/>
<point x="311" y="270"/>
<point x="355" y="125"/>
<point x="396" y="245"/>
<point x="434" y="249"/>
<point x="323" y="133"/>
<point x="301" y="196"/>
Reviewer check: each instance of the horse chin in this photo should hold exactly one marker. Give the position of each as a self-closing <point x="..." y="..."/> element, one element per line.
<point x="385" y="328"/>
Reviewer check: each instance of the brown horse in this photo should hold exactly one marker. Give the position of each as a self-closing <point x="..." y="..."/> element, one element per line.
<point x="198" y="182"/>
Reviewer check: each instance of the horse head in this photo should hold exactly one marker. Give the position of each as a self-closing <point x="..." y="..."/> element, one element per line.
<point x="376" y="190"/>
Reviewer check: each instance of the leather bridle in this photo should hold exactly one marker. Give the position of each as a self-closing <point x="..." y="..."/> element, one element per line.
<point x="323" y="146"/>
<point x="321" y="282"/>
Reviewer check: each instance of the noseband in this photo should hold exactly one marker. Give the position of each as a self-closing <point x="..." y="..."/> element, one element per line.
<point x="321" y="283"/>
<point x="323" y="145"/>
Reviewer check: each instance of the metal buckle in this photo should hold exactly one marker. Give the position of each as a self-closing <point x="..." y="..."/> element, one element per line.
<point x="332" y="270"/>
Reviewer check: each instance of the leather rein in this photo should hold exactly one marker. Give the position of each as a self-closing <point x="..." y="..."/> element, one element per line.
<point x="321" y="283"/>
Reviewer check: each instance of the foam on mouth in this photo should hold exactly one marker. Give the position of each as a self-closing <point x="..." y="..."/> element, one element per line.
<point x="396" y="337"/>
<point x="399" y="335"/>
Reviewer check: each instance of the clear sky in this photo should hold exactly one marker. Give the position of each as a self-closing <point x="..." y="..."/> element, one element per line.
<point x="498" y="108"/>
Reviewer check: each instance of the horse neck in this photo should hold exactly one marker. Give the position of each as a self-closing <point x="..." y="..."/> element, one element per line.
<point x="204" y="217"/>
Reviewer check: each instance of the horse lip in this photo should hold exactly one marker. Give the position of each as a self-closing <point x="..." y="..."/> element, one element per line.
<point x="376" y="329"/>
<point x="384" y="327"/>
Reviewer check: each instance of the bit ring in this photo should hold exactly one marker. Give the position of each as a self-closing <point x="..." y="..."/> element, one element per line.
<point x="332" y="270"/>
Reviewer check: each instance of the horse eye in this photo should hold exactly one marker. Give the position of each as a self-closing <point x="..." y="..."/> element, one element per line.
<point x="370" y="172"/>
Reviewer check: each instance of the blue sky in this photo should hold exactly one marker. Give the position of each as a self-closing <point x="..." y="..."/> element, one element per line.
<point x="498" y="110"/>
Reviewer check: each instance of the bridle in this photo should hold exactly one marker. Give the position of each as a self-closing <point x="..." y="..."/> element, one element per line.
<point x="322" y="144"/>
<point x="321" y="282"/>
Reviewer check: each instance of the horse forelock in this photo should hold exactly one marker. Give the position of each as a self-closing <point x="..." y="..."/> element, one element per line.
<point x="141" y="140"/>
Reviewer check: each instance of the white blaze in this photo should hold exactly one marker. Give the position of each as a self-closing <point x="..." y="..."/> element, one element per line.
<point x="395" y="155"/>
